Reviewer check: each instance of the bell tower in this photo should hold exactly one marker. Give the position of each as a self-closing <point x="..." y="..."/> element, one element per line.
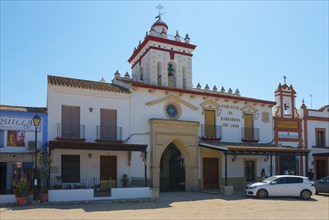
<point x="162" y="59"/>
<point x="287" y="128"/>
<point x="285" y="98"/>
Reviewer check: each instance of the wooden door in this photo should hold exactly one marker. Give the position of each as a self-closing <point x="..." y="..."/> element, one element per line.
<point x="248" y="126"/>
<point x="249" y="170"/>
<point x="210" y="172"/>
<point x="108" y="171"/>
<point x="210" y="123"/>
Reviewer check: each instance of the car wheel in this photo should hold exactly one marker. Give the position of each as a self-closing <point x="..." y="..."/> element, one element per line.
<point x="262" y="193"/>
<point x="305" y="194"/>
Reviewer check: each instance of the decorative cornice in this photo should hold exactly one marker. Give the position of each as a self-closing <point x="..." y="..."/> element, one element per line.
<point x="171" y="98"/>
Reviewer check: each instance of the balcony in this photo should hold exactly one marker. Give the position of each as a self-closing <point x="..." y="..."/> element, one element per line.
<point x="211" y="132"/>
<point x="70" y="131"/>
<point x="250" y="134"/>
<point x="109" y="133"/>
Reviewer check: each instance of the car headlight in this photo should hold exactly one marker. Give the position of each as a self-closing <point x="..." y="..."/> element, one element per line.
<point x="252" y="187"/>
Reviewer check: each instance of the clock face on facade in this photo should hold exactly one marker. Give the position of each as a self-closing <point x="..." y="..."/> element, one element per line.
<point x="171" y="110"/>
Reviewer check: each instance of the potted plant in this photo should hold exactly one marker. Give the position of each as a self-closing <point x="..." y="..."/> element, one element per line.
<point x="124" y="180"/>
<point x="43" y="195"/>
<point x="44" y="164"/>
<point x="22" y="190"/>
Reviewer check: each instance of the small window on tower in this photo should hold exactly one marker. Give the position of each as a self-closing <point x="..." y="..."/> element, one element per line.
<point x="286" y="109"/>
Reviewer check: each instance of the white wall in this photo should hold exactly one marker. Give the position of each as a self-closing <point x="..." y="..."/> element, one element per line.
<point x="58" y="96"/>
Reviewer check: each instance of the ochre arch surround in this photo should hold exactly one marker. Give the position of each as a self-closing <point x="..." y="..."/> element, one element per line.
<point x="184" y="134"/>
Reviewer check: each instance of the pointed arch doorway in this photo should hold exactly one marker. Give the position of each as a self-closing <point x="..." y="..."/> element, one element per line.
<point x="172" y="170"/>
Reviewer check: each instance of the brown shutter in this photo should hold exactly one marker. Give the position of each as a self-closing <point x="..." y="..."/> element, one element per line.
<point x="248" y="126"/>
<point x="210" y="123"/>
<point x="70" y="121"/>
<point x="108" y="124"/>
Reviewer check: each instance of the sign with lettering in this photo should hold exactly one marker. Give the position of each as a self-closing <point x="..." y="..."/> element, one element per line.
<point x="231" y="120"/>
<point x="17" y="124"/>
<point x="15" y="157"/>
<point x="282" y="134"/>
<point x="287" y="124"/>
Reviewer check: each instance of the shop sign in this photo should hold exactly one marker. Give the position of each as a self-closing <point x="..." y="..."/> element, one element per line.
<point x="17" y="124"/>
<point x="288" y="134"/>
<point x="287" y="124"/>
<point x="15" y="157"/>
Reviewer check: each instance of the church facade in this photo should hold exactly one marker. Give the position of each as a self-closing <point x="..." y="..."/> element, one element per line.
<point x="159" y="131"/>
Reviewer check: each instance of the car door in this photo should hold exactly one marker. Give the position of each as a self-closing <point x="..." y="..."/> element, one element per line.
<point x="294" y="186"/>
<point x="278" y="187"/>
<point x="323" y="185"/>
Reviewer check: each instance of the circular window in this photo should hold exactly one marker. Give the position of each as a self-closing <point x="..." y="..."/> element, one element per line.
<point x="172" y="111"/>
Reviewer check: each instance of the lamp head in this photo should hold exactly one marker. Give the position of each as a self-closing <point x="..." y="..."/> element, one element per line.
<point x="36" y="120"/>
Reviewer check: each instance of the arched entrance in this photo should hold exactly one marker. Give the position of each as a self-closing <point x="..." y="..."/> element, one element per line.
<point x="172" y="170"/>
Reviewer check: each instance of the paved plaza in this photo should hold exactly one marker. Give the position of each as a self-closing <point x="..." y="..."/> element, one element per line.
<point x="179" y="205"/>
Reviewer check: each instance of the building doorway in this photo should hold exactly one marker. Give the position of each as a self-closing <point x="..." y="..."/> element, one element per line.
<point x="210" y="172"/>
<point x="108" y="172"/>
<point x="321" y="168"/>
<point x="172" y="170"/>
<point x="3" y="177"/>
<point x="288" y="162"/>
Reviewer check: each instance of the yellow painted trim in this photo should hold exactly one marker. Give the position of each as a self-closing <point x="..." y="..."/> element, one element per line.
<point x="171" y="98"/>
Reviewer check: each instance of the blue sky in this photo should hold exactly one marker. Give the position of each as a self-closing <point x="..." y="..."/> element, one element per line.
<point x="245" y="45"/>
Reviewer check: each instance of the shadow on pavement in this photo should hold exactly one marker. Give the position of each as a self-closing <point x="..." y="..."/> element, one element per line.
<point x="165" y="201"/>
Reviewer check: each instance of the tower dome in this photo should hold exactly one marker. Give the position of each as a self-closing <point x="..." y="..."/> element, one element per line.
<point x="159" y="26"/>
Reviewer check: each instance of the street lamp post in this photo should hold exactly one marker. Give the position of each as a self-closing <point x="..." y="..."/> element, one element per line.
<point x="36" y="123"/>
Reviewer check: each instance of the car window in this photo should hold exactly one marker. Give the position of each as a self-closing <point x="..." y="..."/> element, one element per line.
<point x="282" y="180"/>
<point x="295" y="180"/>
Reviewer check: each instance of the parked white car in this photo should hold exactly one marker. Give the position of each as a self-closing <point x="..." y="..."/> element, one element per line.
<point x="282" y="185"/>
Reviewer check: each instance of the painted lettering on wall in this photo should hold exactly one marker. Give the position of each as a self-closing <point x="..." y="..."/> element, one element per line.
<point x="234" y="107"/>
<point x="230" y="121"/>
<point x="17" y="124"/>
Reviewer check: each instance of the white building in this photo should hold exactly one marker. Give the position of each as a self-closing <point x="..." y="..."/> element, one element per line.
<point x="156" y="128"/>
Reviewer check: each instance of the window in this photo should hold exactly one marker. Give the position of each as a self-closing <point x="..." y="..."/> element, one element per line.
<point x="159" y="75"/>
<point x="295" y="180"/>
<point x="210" y="123"/>
<point x="184" y="77"/>
<point x="282" y="180"/>
<point x="108" y="122"/>
<point x="70" y="121"/>
<point x="171" y="74"/>
<point x="250" y="170"/>
<point x="2" y="139"/>
<point x="248" y="127"/>
<point x="141" y="73"/>
<point x="320" y="137"/>
<point x="70" y="168"/>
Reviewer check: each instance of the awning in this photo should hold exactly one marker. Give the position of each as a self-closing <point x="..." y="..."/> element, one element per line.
<point x="106" y="146"/>
<point x="253" y="148"/>
<point x="320" y="155"/>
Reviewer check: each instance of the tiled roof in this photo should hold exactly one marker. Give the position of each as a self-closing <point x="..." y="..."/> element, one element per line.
<point x="23" y="109"/>
<point x="85" y="84"/>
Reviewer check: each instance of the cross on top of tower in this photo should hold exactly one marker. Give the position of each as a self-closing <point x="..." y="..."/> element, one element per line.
<point x="284" y="79"/>
<point x="159" y="7"/>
